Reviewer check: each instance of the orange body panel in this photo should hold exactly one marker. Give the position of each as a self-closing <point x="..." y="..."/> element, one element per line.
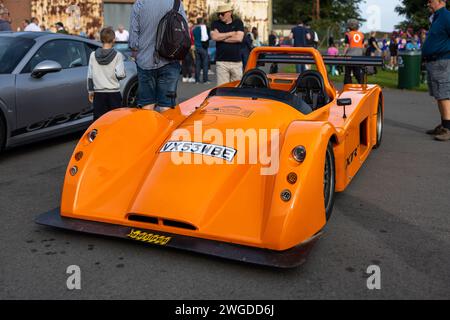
<point x="123" y="171"/>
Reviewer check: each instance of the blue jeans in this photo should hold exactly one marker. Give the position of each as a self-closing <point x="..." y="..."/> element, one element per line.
<point x="155" y="85"/>
<point x="201" y="62"/>
<point x="300" y="68"/>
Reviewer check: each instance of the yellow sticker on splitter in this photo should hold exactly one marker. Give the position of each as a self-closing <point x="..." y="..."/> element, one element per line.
<point x="148" y="237"/>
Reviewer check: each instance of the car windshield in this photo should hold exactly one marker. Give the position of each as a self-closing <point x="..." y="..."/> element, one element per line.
<point x="12" y="50"/>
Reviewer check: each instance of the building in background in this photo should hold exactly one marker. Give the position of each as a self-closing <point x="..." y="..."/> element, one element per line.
<point x="87" y="15"/>
<point x="76" y="15"/>
<point x="254" y="13"/>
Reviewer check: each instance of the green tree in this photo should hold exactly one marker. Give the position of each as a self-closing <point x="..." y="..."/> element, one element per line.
<point x="416" y="14"/>
<point x="333" y="14"/>
<point x="334" y="11"/>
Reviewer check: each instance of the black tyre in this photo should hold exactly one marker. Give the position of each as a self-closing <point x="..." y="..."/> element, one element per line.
<point x="329" y="181"/>
<point x="130" y="94"/>
<point x="379" y="124"/>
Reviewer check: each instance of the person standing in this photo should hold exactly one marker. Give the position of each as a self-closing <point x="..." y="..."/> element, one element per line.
<point x="5" y="23"/>
<point x="436" y="53"/>
<point x="373" y="50"/>
<point x="301" y="37"/>
<point x="256" y="41"/>
<point x="314" y="39"/>
<point x="201" y="38"/>
<point x="393" y="50"/>
<point x="157" y="76"/>
<point x="333" y="51"/>
<point x="24" y="24"/>
<point x="273" y="42"/>
<point x="105" y="70"/>
<point x="246" y="47"/>
<point x="60" y="28"/>
<point x="122" y="35"/>
<point x="34" y="25"/>
<point x="188" y="63"/>
<point x="228" y="33"/>
<point x="354" y="46"/>
<point x="273" y="39"/>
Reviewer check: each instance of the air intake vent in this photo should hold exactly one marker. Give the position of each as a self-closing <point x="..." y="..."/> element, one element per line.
<point x="145" y="219"/>
<point x="177" y="224"/>
<point x="165" y="222"/>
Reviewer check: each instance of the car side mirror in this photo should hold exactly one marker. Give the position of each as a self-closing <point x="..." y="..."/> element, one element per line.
<point x="44" y="67"/>
<point x="344" y="102"/>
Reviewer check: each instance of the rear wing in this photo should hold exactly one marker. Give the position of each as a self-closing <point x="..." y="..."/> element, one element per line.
<point x="306" y="55"/>
<point x="351" y="61"/>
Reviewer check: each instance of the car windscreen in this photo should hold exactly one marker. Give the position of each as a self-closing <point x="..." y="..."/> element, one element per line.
<point x="12" y="50"/>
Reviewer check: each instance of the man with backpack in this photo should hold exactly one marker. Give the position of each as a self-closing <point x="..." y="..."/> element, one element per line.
<point x="159" y="39"/>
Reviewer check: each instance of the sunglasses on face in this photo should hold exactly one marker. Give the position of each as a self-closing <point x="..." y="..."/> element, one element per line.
<point x="222" y="14"/>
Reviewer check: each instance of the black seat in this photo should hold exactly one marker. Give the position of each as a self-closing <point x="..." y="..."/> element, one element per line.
<point x="311" y="87"/>
<point x="254" y="78"/>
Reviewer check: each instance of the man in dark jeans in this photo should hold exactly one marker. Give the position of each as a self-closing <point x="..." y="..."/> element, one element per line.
<point x="201" y="42"/>
<point x="158" y="77"/>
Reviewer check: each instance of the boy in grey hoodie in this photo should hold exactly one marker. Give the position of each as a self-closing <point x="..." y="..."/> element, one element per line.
<point x="105" y="70"/>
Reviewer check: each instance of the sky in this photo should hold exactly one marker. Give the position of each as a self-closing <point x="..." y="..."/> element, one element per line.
<point x="380" y="15"/>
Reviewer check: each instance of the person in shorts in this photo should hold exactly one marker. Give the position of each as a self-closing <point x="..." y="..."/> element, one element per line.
<point x="158" y="77"/>
<point x="436" y="54"/>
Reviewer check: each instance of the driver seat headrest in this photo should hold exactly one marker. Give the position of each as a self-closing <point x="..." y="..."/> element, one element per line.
<point x="312" y="87"/>
<point x="254" y="78"/>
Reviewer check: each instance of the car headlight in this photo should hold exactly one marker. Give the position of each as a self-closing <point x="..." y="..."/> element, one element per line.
<point x="299" y="153"/>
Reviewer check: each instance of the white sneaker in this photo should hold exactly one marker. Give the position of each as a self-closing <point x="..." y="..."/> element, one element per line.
<point x="191" y="80"/>
<point x="184" y="79"/>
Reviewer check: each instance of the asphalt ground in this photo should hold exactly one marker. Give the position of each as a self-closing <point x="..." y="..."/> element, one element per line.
<point x="395" y="214"/>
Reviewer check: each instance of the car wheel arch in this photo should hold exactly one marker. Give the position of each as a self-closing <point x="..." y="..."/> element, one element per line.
<point x="128" y="87"/>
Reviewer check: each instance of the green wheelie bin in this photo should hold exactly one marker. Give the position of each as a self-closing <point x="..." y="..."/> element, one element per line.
<point x="409" y="65"/>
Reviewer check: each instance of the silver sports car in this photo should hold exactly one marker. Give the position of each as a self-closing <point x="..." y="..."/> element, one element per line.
<point x="43" y="85"/>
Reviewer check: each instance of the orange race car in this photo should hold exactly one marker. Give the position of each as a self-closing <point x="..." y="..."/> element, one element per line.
<point x="245" y="171"/>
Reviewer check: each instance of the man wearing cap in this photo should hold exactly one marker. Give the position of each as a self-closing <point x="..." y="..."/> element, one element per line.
<point x="436" y="54"/>
<point x="228" y="34"/>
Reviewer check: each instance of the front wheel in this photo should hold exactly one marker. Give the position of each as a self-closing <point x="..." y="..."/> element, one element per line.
<point x="329" y="181"/>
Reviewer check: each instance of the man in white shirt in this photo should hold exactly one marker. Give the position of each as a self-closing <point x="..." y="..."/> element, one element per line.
<point x="33" y="26"/>
<point x="122" y="35"/>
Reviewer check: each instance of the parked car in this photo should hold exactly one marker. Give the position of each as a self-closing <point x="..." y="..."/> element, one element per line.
<point x="43" y="91"/>
<point x="120" y="178"/>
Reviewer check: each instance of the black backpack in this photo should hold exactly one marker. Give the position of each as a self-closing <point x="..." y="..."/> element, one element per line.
<point x="173" y="40"/>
